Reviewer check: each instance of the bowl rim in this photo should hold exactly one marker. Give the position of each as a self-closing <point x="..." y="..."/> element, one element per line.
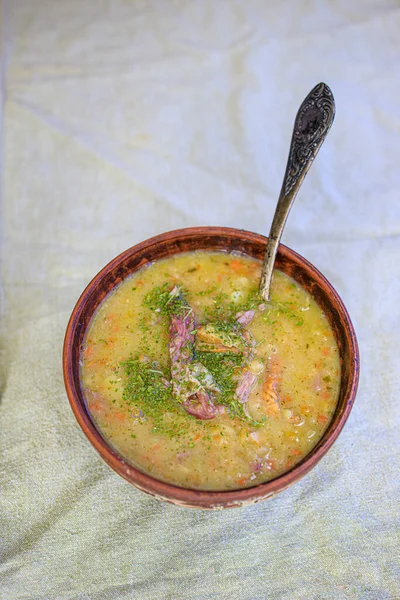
<point x="202" y="498"/>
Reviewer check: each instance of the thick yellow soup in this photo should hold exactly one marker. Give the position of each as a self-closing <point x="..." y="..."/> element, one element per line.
<point x="195" y="380"/>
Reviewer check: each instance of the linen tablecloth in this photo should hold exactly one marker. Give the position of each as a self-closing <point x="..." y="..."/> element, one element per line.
<point x="122" y="119"/>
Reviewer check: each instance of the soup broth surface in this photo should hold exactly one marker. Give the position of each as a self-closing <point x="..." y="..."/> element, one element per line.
<point x="196" y="381"/>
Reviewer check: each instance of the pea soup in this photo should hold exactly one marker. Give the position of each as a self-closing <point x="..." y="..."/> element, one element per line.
<point x="196" y="381"/>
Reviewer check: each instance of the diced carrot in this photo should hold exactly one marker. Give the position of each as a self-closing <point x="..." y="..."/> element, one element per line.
<point x="286" y="399"/>
<point x="325" y="351"/>
<point x="270" y="384"/>
<point x="325" y="395"/>
<point x="120" y="416"/>
<point x="322" y="418"/>
<point x="318" y="365"/>
<point x="155" y="447"/>
<point x="216" y="437"/>
<point x="115" y="328"/>
<point x="95" y="406"/>
<point x="219" y="278"/>
<point x="305" y="409"/>
<point x="237" y="265"/>
<point x="88" y="351"/>
<point x="241" y="481"/>
<point x="296" y="452"/>
<point x="196" y="437"/>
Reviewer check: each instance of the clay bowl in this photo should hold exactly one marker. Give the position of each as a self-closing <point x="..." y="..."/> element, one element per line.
<point x="209" y="238"/>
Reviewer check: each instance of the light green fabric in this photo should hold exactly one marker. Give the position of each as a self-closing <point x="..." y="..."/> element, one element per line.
<point x="123" y="119"/>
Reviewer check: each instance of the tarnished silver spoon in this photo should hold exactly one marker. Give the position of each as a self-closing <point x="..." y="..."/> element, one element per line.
<point x="313" y="121"/>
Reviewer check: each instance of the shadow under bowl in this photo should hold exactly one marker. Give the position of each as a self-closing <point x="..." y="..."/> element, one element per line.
<point x="222" y="239"/>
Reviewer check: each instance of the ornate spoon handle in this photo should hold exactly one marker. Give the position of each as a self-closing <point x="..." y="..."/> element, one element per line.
<point x="311" y="126"/>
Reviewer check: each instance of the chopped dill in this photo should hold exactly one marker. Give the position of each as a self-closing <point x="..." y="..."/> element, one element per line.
<point x="276" y="309"/>
<point x="165" y="300"/>
<point x="148" y="390"/>
<point x="225" y="369"/>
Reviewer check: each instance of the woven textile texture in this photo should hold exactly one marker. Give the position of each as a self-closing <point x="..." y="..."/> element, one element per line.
<point x="125" y="118"/>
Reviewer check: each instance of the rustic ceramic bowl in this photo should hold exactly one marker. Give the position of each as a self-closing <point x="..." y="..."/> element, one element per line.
<point x="209" y="238"/>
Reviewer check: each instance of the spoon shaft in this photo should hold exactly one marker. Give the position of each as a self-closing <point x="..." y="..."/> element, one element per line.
<point x="312" y="123"/>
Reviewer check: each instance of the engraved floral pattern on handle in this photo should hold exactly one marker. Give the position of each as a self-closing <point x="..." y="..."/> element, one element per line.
<point x="314" y="118"/>
<point x="311" y="126"/>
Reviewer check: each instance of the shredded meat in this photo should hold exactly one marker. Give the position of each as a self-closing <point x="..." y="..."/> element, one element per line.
<point x="244" y="318"/>
<point x="193" y="385"/>
<point x="245" y="385"/>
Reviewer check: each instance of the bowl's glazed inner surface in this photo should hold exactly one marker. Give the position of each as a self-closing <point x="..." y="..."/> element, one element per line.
<point x="209" y="238"/>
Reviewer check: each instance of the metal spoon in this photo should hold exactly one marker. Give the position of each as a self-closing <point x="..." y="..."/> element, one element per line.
<point x="311" y="127"/>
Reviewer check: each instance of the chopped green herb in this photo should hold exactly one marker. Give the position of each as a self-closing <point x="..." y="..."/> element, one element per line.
<point x="163" y="299"/>
<point x="211" y="290"/>
<point x="282" y="308"/>
<point x="225" y="369"/>
<point x="146" y="389"/>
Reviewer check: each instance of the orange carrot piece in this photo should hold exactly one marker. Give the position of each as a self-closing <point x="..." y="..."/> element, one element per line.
<point x="270" y="385"/>
<point x="325" y="351"/>
<point x="120" y="416"/>
<point x="95" y="406"/>
<point x="155" y="447"/>
<point x="286" y="399"/>
<point x="322" y="419"/>
<point x="236" y="265"/>
<point x="241" y="481"/>
<point x="296" y="452"/>
<point x="196" y="437"/>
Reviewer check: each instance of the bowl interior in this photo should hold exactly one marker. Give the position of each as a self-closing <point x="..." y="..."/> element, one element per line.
<point x="209" y="238"/>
